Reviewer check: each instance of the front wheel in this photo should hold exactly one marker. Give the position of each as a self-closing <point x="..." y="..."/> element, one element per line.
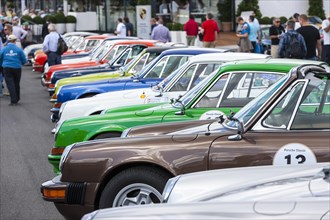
<point x="134" y="186"/>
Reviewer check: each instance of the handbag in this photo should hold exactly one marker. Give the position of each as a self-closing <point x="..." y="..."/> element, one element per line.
<point x="200" y="36"/>
<point x="257" y="48"/>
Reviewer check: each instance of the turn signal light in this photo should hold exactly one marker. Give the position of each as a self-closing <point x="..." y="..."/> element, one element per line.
<point x="51" y="86"/>
<point x="54" y="193"/>
<point x="54" y="96"/>
<point x="57" y="150"/>
<point x="57" y="105"/>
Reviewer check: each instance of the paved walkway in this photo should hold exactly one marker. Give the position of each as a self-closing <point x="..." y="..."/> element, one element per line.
<point x="227" y="40"/>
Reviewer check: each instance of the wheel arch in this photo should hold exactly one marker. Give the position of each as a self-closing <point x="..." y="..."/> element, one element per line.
<point x="116" y="170"/>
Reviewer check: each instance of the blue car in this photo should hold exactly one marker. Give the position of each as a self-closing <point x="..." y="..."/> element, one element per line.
<point x="129" y="52"/>
<point x="167" y="62"/>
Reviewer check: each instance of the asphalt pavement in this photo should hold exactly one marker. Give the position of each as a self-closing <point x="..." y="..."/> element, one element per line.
<point x="25" y="141"/>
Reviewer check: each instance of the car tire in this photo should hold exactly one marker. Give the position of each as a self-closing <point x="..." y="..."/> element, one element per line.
<point x="107" y="135"/>
<point x="134" y="186"/>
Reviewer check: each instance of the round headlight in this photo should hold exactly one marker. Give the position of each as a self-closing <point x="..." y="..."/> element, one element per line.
<point x="169" y="187"/>
<point x="61" y="110"/>
<point x="65" y="155"/>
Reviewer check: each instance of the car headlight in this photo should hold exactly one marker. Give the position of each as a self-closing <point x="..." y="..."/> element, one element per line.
<point x="57" y="129"/>
<point x="125" y="132"/>
<point x="65" y="155"/>
<point x="47" y="67"/>
<point x="61" y="110"/>
<point x="169" y="187"/>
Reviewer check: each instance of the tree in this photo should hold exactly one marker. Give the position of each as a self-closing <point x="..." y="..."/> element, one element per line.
<point x="249" y="5"/>
<point x="225" y="10"/>
<point x="316" y="8"/>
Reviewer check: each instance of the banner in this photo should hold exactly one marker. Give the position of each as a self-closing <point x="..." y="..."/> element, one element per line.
<point x="143" y="16"/>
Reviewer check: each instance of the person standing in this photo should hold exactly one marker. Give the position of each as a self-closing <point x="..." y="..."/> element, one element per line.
<point x="121" y="28"/>
<point x="1" y="74"/>
<point x="275" y="33"/>
<point x="44" y="30"/>
<point x="210" y="31"/>
<point x="191" y="29"/>
<point x="161" y="33"/>
<point x="292" y="44"/>
<point x="254" y="32"/>
<point x="12" y="58"/>
<point x="49" y="46"/>
<point x="326" y="39"/>
<point x="129" y="27"/>
<point x="312" y="38"/>
<point x="244" y="44"/>
<point x="296" y="20"/>
<point x="19" y="32"/>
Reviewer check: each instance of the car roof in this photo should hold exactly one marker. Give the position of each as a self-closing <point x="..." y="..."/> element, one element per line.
<point x="278" y="64"/>
<point x="96" y="37"/>
<point x="157" y="49"/>
<point x="148" y="42"/>
<point x="80" y="33"/>
<point x="189" y="51"/>
<point x="120" y="38"/>
<point x="229" y="56"/>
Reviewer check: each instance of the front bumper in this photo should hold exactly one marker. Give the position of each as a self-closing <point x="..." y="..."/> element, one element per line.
<point x="51" y="90"/>
<point x="54" y="160"/>
<point x="72" y="200"/>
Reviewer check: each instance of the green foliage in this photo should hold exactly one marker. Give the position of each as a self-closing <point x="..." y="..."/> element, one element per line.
<point x="38" y="20"/>
<point x="71" y="19"/>
<point x="283" y="19"/>
<point x="316" y="8"/>
<point x="249" y="5"/>
<point x="60" y="18"/>
<point x="225" y="10"/>
<point x="265" y="20"/>
<point x="27" y="18"/>
<point x="144" y="2"/>
<point x="175" y="26"/>
<point x="50" y="18"/>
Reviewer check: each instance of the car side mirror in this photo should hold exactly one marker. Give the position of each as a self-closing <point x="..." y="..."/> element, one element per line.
<point x="240" y="132"/>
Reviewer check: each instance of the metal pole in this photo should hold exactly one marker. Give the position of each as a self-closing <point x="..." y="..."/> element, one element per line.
<point x="125" y="8"/>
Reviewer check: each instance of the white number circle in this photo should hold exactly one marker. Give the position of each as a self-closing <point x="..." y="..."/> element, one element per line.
<point x="211" y="114"/>
<point x="293" y="154"/>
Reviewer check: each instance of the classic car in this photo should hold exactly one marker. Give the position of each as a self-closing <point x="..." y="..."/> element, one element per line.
<point x="30" y="50"/>
<point x="124" y="55"/>
<point x="287" y="124"/>
<point x="197" y="68"/>
<point x="259" y="193"/>
<point x="106" y="54"/>
<point x="136" y="65"/>
<point x="154" y="72"/>
<point x="39" y="61"/>
<point x="224" y="91"/>
<point x="255" y="183"/>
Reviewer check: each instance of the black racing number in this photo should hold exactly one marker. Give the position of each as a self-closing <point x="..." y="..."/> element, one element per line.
<point x="300" y="158"/>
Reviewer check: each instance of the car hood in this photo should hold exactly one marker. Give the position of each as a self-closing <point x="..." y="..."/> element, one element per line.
<point x="255" y="183"/>
<point x="71" y="65"/>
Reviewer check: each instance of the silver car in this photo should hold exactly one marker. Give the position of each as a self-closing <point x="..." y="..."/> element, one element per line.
<point x="290" y="192"/>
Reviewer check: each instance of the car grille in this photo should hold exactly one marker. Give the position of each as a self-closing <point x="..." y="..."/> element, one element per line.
<point x="76" y="193"/>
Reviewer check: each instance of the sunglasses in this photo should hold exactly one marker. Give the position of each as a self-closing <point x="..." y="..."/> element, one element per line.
<point x="5" y="29"/>
<point x="277" y="21"/>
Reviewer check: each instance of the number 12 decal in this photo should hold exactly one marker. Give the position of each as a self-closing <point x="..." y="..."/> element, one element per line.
<point x="293" y="154"/>
<point x="300" y="159"/>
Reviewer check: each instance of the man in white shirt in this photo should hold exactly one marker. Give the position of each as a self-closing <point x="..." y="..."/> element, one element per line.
<point x="121" y="28"/>
<point x="326" y="39"/>
<point x="18" y="31"/>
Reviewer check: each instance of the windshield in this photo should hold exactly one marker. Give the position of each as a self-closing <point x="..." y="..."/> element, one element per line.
<point x="168" y="79"/>
<point x="102" y="50"/>
<point x="146" y="68"/>
<point x="185" y="99"/>
<point x="252" y="107"/>
<point x="76" y="44"/>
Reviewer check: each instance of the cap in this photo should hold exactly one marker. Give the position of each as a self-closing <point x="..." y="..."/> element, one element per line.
<point x="12" y="37"/>
<point x="15" y="18"/>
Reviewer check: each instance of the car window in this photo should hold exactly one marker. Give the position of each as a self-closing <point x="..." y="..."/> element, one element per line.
<point x="241" y="89"/>
<point x="114" y="52"/>
<point x="123" y="58"/>
<point x="102" y="50"/>
<point x="313" y="111"/>
<point x="140" y="64"/>
<point x="166" y="66"/>
<point x="193" y="75"/>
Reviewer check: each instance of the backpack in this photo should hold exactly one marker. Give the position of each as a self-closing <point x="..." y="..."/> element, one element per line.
<point x="294" y="48"/>
<point x="61" y="46"/>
